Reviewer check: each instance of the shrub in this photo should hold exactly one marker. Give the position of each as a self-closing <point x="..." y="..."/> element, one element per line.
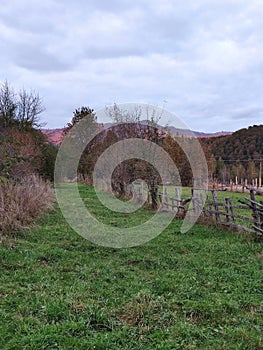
<point x="24" y="202"/>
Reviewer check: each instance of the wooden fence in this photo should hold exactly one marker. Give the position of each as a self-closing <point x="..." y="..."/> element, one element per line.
<point x="246" y="215"/>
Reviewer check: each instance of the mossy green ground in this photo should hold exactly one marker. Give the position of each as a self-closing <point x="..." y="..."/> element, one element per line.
<point x="201" y="290"/>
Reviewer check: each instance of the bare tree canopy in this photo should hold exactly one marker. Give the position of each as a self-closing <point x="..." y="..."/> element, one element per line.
<point x="7" y="105"/>
<point x="20" y="109"/>
<point x="29" y="106"/>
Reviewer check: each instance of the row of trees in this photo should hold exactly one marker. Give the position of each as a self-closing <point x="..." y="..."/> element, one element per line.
<point x="236" y="155"/>
<point x="128" y="125"/>
<point x="24" y="149"/>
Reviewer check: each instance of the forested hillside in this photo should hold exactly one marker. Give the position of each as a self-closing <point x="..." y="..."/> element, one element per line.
<point x="234" y="155"/>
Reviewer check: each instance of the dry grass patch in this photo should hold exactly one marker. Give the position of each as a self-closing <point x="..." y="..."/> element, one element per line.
<point x="24" y="202"/>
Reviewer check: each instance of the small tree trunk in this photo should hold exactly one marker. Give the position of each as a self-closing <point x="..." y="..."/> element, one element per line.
<point x="122" y="189"/>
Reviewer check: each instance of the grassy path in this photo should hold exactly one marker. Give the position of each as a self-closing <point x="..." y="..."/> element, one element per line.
<point x="201" y="290"/>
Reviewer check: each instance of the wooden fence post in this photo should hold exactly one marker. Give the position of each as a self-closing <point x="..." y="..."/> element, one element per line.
<point x="254" y="207"/>
<point x="210" y="207"/>
<point x="217" y="215"/>
<point x="173" y="206"/>
<point x="205" y="211"/>
<point x="165" y="198"/>
<point x="261" y="216"/>
<point x="178" y="198"/>
<point x="177" y="193"/>
<point x="231" y="211"/>
<point x="227" y="210"/>
<point x="201" y="202"/>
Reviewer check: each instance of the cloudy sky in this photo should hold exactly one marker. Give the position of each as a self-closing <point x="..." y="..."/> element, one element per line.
<point x="201" y="59"/>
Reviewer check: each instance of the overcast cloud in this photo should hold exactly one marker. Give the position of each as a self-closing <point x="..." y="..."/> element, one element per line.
<point x="204" y="58"/>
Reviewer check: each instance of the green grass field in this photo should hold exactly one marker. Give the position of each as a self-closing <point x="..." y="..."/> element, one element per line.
<point x="201" y="290"/>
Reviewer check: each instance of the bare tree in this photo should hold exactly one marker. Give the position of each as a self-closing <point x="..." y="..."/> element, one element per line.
<point x="21" y="110"/>
<point x="119" y="115"/>
<point x="29" y="106"/>
<point x="7" y="105"/>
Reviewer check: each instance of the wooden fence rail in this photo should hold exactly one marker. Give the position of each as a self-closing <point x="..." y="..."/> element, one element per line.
<point x="246" y="216"/>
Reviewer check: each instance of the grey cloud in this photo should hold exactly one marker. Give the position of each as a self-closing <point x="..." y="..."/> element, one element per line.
<point x="36" y="59"/>
<point x="204" y="58"/>
<point x="99" y="5"/>
<point x="248" y="114"/>
<point x="112" y="52"/>
<point x="36" y="24"/>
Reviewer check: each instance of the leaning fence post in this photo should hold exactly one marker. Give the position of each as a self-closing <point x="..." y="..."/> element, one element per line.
<point x="217" y="215"/>
<point x="254" y="207"/>
<point x="173" y="206"/>
<point x="227" y="210"/>
<point x="178" y="198"/>
<point x="231" y="211"/>
<point x="165" y="198"/>
<point x="201" y="203"/>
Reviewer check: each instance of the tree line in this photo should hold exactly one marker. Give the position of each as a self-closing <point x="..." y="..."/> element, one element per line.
<point x="24" y="149"/>
<point x="129" y="125"/>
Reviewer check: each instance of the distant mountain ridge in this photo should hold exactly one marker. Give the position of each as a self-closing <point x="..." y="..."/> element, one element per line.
<point x="55" y="136"/>
<point x="186" y="132"/>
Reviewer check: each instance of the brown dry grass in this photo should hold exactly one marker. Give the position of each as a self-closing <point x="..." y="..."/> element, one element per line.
<point x="24" y="202"/>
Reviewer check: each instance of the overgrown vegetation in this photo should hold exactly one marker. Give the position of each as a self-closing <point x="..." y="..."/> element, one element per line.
<point x="26" y="161"/>
<point x="23" y="202"/>
<point x="201" y="290"/>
